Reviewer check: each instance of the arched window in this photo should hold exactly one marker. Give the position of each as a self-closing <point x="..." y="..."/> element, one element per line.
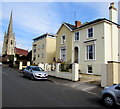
<point x="11" y="42"/>
<point x="6" y="41"/>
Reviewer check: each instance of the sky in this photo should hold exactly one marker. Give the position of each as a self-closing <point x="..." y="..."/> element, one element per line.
<point x="32" y="19"/>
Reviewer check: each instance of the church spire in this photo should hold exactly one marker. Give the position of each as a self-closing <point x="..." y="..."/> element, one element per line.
<point x="9" y="40"/>
<point x="10" y="28"/>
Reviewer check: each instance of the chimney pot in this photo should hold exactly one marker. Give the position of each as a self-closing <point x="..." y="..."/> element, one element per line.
<point x="112" y="4"/>
<point x="112" y="13"/>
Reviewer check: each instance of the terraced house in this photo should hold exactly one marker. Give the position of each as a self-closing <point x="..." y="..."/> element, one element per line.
<point x="90" y="44"/>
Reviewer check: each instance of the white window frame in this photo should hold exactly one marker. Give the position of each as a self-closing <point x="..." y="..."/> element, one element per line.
<point x="34" y="49"/>
<point x="62" y="39"/>
<point x="94" y="53"/>
<point x="43" y="46"/>
<point x="38" y="55"/>
<point x="88" y="33"/>
<point x="42" y="55"/>
<point x="65" y="53"/>
<point x="38" y="47"/>
<point x="34" y="58"/>
<point x="88" y="69"/>
<point x="76" y="36"/>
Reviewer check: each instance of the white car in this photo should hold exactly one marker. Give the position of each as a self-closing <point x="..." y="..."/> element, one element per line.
<point x="35" y="72"/>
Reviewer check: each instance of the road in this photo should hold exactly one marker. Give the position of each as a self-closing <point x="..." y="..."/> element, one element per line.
<point x="18" y="91"/>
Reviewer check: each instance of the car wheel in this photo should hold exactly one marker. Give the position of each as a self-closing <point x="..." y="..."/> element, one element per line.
<point x="32" y="77"/>
<point x="109" y="101"/>
<point x="24" y="74"/>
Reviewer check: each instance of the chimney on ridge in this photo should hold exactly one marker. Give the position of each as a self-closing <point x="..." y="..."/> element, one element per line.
<point x="112" y="13"/>
<point x="119" y="12"/>
<point x="77" y="24"/>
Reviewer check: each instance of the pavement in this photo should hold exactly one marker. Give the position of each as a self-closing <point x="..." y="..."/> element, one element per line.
<point x="88" y="83"/>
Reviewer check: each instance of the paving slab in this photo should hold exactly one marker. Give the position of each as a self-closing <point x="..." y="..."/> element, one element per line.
<point x="88" y="86"/>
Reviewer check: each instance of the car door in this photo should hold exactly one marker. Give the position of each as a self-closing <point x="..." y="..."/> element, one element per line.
<point x="30" y="71"/>
<point x="27" y="71"/>
<point x="117" y="93"/>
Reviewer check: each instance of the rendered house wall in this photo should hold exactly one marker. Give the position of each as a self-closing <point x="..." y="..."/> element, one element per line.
<point x="48" y="50"/>
<point x="64" y="31"/>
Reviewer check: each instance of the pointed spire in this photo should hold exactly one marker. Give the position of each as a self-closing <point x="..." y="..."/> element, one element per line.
<point x="4" y="33"/>
<point x="10" y="29"/>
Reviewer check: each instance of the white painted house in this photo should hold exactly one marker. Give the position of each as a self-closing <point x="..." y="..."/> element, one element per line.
<point x="98" y="43"/>
<point x="93" y="43"/>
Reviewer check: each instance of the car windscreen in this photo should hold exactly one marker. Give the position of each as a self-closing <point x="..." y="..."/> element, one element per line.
<point x="37" y="69"/>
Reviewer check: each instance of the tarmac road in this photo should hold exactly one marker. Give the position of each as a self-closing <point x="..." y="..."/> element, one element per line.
<point x="18" y="91"/>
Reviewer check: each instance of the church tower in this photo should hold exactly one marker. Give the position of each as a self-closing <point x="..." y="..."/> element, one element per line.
<point x="9" y="40"/>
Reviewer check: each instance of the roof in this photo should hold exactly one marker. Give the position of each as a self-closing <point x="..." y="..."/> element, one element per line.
<point x="73" y="28"/>
<point x="43" y="36"/>
<point x="20" y="51"/>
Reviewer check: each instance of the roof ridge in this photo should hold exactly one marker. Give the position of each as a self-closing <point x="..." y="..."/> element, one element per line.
<point x="21" y="49"/>
<point x="69" y="23"/>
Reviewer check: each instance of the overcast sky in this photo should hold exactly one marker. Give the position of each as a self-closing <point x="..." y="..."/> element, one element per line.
<point x="32" y="19"/>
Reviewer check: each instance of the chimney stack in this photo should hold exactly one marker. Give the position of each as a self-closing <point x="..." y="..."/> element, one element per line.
<point x="119" y="12"/>
<point x="112" y="13"/>
<point x="77" y="24"/>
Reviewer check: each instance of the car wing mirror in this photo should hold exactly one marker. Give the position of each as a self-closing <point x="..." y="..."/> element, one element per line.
<point x="30" y="70"/>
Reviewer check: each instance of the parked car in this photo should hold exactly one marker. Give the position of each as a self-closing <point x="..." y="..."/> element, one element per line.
<point x="0" y="63"/>
<point x="111" y="95"/>
<point x="35" y="72"/>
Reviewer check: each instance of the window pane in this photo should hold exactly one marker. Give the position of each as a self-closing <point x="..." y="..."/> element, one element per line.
<point x="90" y="69"/>
<point x="87" y="56"/>
<point x="90" y="32"/>
<point x="90" y="48"/>
<point x="90" y="55"/>
<point x="63" y="39"/>
<point x="63" y="53"/>
<point x="76" y="36"/>
<point x="90" y="51"/>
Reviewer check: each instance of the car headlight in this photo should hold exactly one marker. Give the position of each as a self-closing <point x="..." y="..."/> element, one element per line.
<point x="106" y="87"/>
<point x="36" y="74"/>
<point x="46" y="74"/>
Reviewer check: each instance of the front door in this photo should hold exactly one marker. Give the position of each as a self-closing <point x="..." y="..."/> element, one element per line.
<point x="76" y="54"/>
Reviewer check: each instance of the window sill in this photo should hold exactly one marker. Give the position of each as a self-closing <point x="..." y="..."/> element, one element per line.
<point x="89" y="38"/>
<point x="90" y="60"/>
<point x="76" y="40"/>
<point x="90" y="73"/>
<point x="63" y="43"/>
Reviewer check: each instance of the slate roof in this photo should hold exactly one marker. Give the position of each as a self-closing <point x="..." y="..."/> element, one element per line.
<point x="20" y="51"/>
<point x="72" y="27"/>
<point x="43" y="36"/>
